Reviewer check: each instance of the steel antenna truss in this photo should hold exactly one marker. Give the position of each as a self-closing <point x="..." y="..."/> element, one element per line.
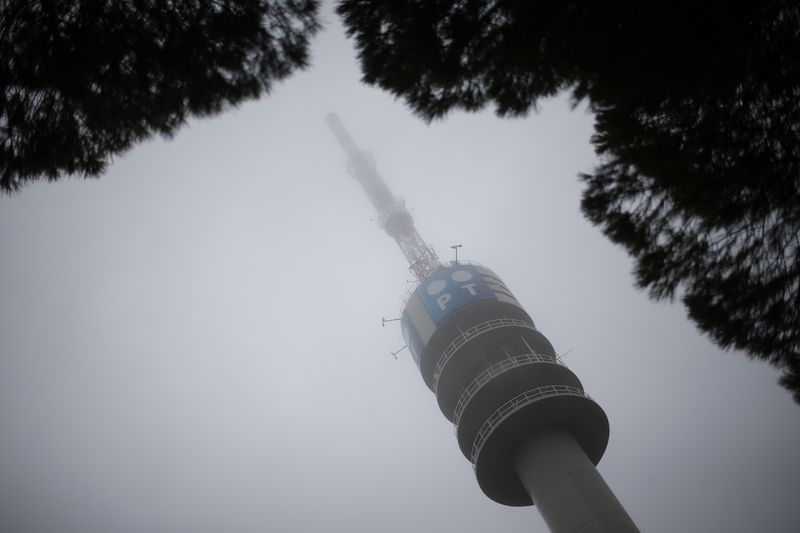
<point x="393" y="217"/>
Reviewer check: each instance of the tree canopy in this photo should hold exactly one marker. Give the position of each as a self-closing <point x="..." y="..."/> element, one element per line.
<point x="84" y="80"/>
<point x="697" y="110"/>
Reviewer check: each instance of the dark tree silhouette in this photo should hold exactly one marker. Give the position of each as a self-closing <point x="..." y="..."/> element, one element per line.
<point x="84" y="80"/>
<point x="697" y="111"/>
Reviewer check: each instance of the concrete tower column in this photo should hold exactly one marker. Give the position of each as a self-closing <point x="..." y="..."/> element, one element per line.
<point x="521" y="416"/>
<point x="570" y="493"/>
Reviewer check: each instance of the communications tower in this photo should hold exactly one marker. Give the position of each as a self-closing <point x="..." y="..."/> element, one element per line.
<point x="521" y="416"/>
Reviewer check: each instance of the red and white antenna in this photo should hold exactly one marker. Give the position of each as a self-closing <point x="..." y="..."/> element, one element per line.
<point x="393" y="217"/>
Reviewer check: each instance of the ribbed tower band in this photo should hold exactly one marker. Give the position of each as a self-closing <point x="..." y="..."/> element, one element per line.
<point x="570" y="493"/>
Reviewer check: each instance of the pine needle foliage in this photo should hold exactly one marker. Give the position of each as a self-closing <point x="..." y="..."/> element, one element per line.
<point x="697" y="108"/>
<point x="83" y="80"/>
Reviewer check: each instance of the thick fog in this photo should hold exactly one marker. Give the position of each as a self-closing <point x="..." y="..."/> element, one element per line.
<point x="193" y="342"/>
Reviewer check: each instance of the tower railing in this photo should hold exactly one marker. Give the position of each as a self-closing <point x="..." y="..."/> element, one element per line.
<point x="526" y="398"/>
<point x="494" y="370"/>
<point x="469" y="334"/>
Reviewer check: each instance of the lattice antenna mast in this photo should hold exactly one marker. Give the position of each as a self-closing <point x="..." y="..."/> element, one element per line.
<point x="393" y="217"/>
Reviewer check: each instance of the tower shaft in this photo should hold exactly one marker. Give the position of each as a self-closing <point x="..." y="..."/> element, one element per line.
<point x="566" y="487"/>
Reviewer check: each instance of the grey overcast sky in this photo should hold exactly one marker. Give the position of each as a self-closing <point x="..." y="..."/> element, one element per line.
<point x="193" y="343"/>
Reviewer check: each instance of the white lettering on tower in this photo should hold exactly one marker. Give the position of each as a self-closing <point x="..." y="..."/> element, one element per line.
<point x="471" y="288"/>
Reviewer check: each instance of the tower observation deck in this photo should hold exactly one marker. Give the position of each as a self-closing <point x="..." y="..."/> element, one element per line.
<point x="521" y="416"/>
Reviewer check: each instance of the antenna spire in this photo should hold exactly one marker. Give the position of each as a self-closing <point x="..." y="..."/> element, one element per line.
<point x="393" y="217"/>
